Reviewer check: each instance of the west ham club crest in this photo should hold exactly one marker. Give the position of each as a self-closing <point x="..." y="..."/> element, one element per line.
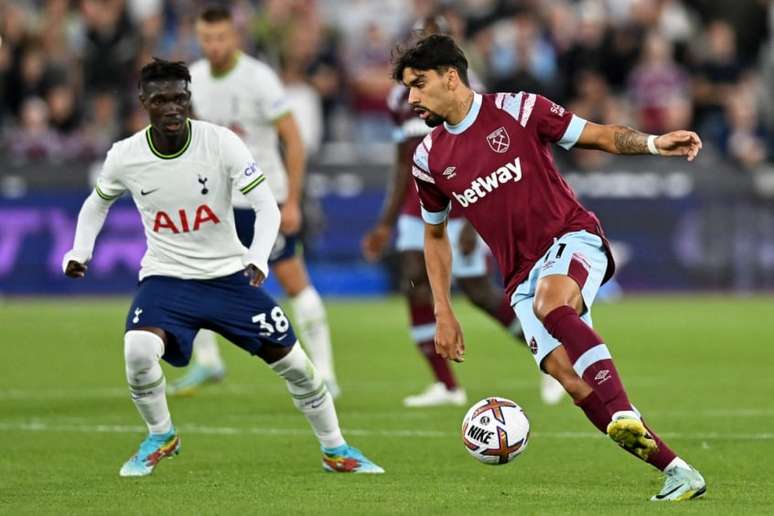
<point x="498" y="140"/>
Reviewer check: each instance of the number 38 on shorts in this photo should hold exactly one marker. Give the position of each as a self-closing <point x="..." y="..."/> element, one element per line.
<point x="272" y="323"/>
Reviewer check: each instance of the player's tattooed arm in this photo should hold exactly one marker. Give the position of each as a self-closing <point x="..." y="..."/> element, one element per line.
<point x="630" y="141"/>
<point x="617" y="139"/>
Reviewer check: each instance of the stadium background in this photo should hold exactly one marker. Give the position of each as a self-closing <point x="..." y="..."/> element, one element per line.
<point x="67" y="90"/>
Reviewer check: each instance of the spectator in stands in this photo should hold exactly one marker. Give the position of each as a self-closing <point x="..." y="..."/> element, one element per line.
<point x="659" y="88"/>
<point x="521" y="59"/>
<point x="368" y="64"/>
<point x="717" y="72"/>
<point x="746" y="138"/>
<point x="110" y="45"/>
<point x="595" y="102"/>
<point x="33" y="138"/>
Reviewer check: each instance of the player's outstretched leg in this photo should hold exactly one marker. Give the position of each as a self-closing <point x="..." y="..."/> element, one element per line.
<point x="142" y="352"/>
<point x="208" y="366"/>
<point x="312" y="398"/>
<point x="682" y="481"/>
<point x="312" y="326"/>
<point x="481" y="292"/>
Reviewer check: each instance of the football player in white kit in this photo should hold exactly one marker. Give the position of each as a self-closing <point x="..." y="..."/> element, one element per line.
<point x="232" y="89"/>
<point x="196" y="274"/>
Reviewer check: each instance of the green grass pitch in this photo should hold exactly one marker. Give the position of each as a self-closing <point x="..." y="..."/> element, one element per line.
<point x="700" y="370"/>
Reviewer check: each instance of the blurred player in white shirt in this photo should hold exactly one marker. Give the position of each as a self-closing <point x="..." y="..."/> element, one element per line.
<point x="233" y="89"/>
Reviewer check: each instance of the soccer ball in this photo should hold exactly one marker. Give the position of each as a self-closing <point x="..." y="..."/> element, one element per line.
<point x="495" y="430"/>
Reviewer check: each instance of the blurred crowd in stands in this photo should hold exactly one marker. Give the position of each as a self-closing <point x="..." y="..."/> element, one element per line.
<point x="68" y="68"/>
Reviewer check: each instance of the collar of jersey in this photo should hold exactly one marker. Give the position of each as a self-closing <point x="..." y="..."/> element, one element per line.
<point x="169" y="156"/>
<point x="225" y="73"/>
<point x="469" y="118"/>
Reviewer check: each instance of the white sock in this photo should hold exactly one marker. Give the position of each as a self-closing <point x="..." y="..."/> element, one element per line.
<point x="310" y="396"/>
<point x="626" y="414"/>
<point x="312" y="326"/>
<point x="142" y="352"/>
<point x="677" y="462"/>
<point x="206" y="350"/>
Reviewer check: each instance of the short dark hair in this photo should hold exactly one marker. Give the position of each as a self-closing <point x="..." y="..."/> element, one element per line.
<point x="214" y="13"/>
<point x="161" y="70"/>
<point x="436" y="52"/>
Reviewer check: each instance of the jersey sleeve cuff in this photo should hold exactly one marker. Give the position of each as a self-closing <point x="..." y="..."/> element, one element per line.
<point x="106" y="196"/>
<point x="572" y="133"/>
<point x="435" y="217"/>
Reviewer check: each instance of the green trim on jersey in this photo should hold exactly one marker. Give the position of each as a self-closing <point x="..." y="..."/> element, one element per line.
<point x="169" y="156"/>
<point x="224" y="73"/>
<point x="285" y="113"/>
<point x="105" y="196"/>
<point x="249" y="187"/>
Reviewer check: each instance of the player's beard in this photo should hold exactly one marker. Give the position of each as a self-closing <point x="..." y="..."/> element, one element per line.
<point x="433" y="120"/>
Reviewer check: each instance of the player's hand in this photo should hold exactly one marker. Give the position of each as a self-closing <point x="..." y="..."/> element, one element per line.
<point x="468" y="239"/>
<point x="448" y="338"/>
<point x="375" y="242"/>
<point x="75" y="269"/>
<point x="290" y="218"/>
<point x="679" y="143"/>
<point x="256" y="276"/>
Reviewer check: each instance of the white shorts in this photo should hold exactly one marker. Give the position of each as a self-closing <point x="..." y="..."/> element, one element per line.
<point x="411" y="237"/>
<point x="580" y="255"/>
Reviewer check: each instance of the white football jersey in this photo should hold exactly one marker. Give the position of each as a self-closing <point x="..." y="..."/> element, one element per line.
<point x="248" y="99"/>
<point x="184" y="199"/>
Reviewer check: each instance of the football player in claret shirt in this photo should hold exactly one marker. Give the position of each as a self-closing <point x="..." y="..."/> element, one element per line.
<point x="551" y="250"/>
<point x="469" y="262"/>
<point x="181" y="174"/>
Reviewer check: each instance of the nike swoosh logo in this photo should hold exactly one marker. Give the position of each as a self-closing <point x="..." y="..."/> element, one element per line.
<point x="660" y="496"/>
<point x="143" y="192"/>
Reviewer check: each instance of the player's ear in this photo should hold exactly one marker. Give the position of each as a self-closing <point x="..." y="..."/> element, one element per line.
<point x="452" y="79"/>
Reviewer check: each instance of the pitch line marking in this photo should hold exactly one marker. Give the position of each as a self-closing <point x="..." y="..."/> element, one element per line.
<point x="38" y="426"/>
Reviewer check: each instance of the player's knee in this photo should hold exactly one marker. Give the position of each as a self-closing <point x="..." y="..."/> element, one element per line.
<point x="142" y="350"/>
<point x="308" y="305"/>
<point x="545" y="305"/>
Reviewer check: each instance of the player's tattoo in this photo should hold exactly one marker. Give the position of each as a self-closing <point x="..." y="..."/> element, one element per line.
<point x="630" y="141"/>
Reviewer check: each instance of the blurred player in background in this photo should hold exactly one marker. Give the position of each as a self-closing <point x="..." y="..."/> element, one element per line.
<point x="235" y="90"/>
<point x="551" y="250"/>
<point x="469" y="263"/>
<point x="181" y="174"/>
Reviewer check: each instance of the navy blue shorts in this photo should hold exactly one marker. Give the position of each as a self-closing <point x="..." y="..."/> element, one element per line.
<point x="284" y="246"/>
<point x="245" y="315"/>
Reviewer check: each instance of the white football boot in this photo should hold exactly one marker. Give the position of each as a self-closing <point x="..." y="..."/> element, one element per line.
<point x="551" y="391"/>
<point x="681" y="484"/>
<point x="437" y="395"/>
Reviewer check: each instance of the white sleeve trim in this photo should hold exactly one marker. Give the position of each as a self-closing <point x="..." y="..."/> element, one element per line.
<point x="435" y="217"/>
<point x="421" y="175"/>
<point x="572" y="133"/>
